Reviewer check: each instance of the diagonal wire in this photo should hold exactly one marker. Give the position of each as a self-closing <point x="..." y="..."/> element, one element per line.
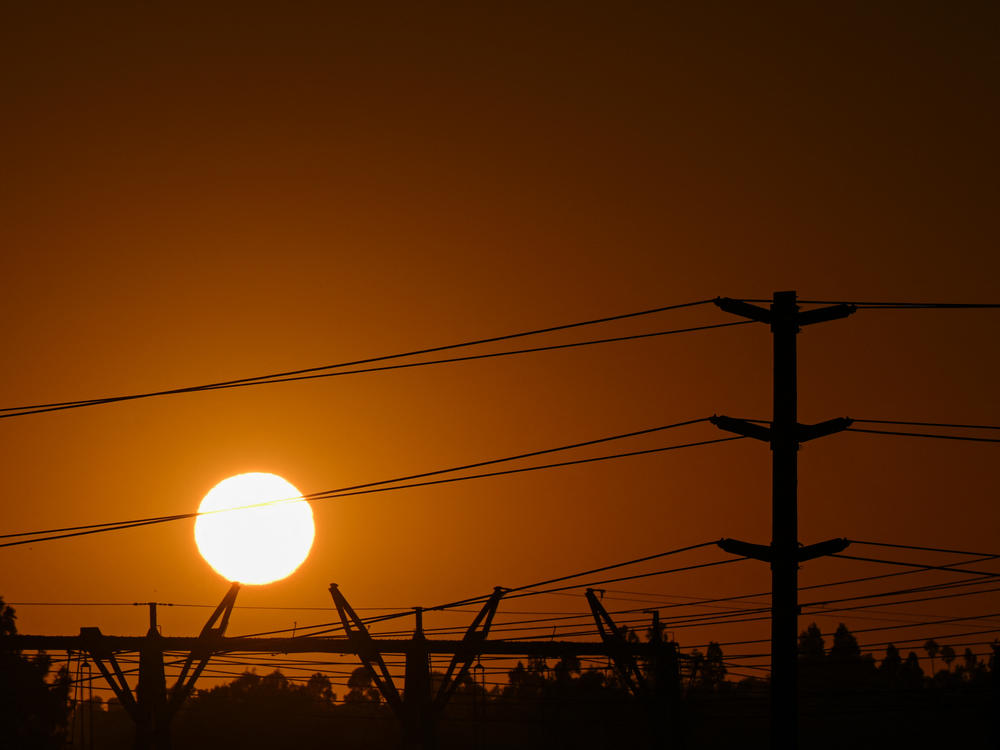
<point x="335" y="494"/>
<point x="291" y="374"/>
<point x="924" y="435"/>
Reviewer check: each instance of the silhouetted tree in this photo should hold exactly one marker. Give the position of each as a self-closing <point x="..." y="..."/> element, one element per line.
<point x="811" y="645"/>
<point x="932" y="648"/>
<point x="969" y="657"/>
<point x="891" y="665"/>
<point x="713" y="670"/>
<point x="972" y="670"/>
<point x="845" y="645"/>
<point x="33" y="705"/>
<point x="695" y="662"/>
<point x="566" y="668"/>
<point x="360" y="688"/>
<point x="845" y="668"/>
<point x="947" y="655"/>
<point x="911" y="673"/>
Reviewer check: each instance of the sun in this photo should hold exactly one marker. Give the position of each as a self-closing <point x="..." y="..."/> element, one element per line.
<point x="262" y="543"/>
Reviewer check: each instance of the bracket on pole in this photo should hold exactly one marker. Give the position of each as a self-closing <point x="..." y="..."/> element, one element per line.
<point x="743" y="309"/>
<point x="746" y="549"/>
<point x="612" y="636"/>
<point x="803" y="432"/>
<point x="741" y="427"/>
<point x="209" y="636"/>
<point x="822" y="549"/>
<point x="355" y="630"/>
<point x="462" y="660"/>
<point x="766" y="554"/>
<point x="803" y="318"/>
<point x="823" y="314"/>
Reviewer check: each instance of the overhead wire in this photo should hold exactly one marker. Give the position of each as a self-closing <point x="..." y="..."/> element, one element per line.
<point x="336" y="494"/>
<point x="524" y="590"/>
<point x="929" y="424"/>
<point x="892" y="305"/>
<point x="318" y="371"/>
<point x="949" y="568"/>
<point x="924" y="623"/>
<point x="898" y="433"/>
<point x="985" y="555"/>
<point x="350" y="489"/>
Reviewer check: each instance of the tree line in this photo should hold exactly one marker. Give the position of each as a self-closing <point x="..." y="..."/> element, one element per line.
<point x="938" y="698"/>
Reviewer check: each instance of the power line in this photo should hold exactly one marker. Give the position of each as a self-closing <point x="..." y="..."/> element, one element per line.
<point x="900" y="601"/>
<point x="490" y="355"/>
<point x="924" y="549"/>
<point x="522" y="591"/>
<point x="864" y="579"/>
<point x="591" y="584"/>
<point x="335" y="494"/>
<point x="991" y="631"/>
<point x="305" y="373"/>
<point x="610" y="567"/>
<point x="924" y="623"/>
<point x="950" y="568"/>
<point x="404" y="478"/>
<point x="713" y="619"/>
<point x="924" y="435"/>
<point x="895" y="305"/>
<point x="705" y="601"/>
<point x="929" y="424"/>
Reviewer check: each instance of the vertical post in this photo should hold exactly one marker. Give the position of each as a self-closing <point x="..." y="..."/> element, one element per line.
<point x="784" y="525"/>
<point x="784" y="553"/>
<point x="418" y="729"/>
<point x="153" y="728"/>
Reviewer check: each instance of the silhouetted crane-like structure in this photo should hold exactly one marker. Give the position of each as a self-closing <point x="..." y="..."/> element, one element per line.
<point x="416" y="706"/>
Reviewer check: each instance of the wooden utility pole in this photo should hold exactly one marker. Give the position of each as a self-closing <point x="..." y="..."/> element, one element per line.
<point x="784" y="553"/>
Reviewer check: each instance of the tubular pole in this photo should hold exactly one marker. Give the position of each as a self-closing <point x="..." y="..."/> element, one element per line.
<point x="784" y="526"/>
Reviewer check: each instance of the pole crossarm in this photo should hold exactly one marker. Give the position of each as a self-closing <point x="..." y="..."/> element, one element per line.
<point x="823" y="314"/>
<point x="806" y="432"/>
<point x="802" y="318"/>
<point x="741" y="427"/>
<point x="743" y="309"/>
<point x="765" y="552"/>
<point x="803" y="432"/>
<point x="822" y="549"/>
<point x="746" y="549"/>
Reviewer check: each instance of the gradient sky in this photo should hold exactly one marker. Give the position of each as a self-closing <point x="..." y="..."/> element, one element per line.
<point x="195" y="194"/>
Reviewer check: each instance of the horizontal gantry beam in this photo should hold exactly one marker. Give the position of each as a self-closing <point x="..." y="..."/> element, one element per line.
<point x="307" y="645"/>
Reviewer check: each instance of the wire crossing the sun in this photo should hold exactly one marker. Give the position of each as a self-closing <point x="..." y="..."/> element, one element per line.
<point x="393" y="484"/>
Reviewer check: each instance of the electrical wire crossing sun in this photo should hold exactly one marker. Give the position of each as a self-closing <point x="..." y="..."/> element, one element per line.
<point x="254" y="528"/>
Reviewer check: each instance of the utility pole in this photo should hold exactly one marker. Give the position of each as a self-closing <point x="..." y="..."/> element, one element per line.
<point x="784" y="553"/>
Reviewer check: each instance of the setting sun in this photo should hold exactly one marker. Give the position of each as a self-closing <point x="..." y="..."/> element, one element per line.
<point x="266" y="539"/>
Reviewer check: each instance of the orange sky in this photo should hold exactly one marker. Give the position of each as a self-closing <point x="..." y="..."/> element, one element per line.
<point x="193" y="195"/>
